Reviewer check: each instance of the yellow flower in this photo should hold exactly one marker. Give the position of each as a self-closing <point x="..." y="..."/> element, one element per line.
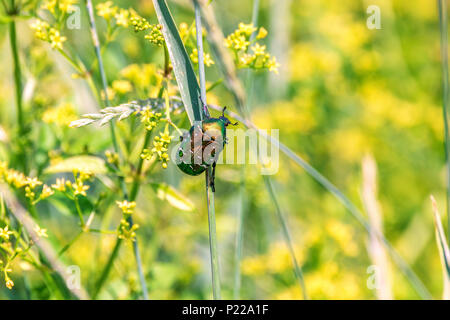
<point x="9" y="283"/>
<point x="112" y="157"/>
<point x="125" y="232"/>
<point x="5" y="233"/>
<point x="247" y="59"/>
<point x="60" y="185"/>
<point x="183" y="30"/>
<point x="106" y="10"/>
<point x="56" y="40"/>
<point x="80" y="188"/>
<point x="240" y="43"/>
<point x="29" y="193"/>
<point x="259" y="50"/>
<point x="273" y="65"/>
<point x="122" y="18"/>
<point x="33" y="182"/>
<point x="42" y="233"/>
<point x="262" y="33"/>
<point x="207" y="60"/>
<point x="159" y="147"/>
<point x="46" y="192"/>
<point x="122" y="86"/>
<point x="67" y="5"/>
<point x="165" y="136"/>
<point x="127" y="207"/>
<point x="247" y="29"/>
<point x="61" y="115"/>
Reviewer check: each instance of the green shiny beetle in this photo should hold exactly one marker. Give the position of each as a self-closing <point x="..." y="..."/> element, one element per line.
<point x="201" y="146"/>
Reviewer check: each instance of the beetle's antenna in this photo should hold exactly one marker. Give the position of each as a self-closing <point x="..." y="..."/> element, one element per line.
<point x="223" y="111"/>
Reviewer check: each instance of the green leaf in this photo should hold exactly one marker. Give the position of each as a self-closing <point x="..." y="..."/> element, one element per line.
<point x="444" y="251"/>
<point x="182" y="66"/>
<point x="175" y="198"/>
<point x="91" y="164"/>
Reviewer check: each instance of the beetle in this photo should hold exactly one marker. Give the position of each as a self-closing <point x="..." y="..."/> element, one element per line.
<point x="201" y="146"/>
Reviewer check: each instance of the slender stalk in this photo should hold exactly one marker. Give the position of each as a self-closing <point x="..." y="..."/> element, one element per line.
<point x="18" y="91"/>
<point x="107" y="269"/>
<point x="79" y="212"/>
<point x="213" y="240"/>
<point x="442" y="8"/>
<point x="287" y="236"/>
<point x="209" y="195"/>
<point x="101" y="68"/>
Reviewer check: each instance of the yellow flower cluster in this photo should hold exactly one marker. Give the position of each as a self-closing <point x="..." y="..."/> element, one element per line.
<point x="45" y="32"/>
<point x="125" y="232"/>
<point x="277" y="260"/>
<point x="18" y="180"/>
<point x="122" y="86"/>
<point x="150" y="118"/>
<point x="146" y="78"/>
<point x="112" y="157"/>
<point x="61" y="115"/>
<point x="41" y="233"/>
<point x="79" y="188"/>
<point x="139" y="23"/>
<point x="5" y="233"/>
<point x="160" y="148"/>
<point x="106" y="10"/>
<point x="208" y="61"/>
<point x="239" y="43"/>
<point x="126" y="206"/>
<point x="64" y="6"/>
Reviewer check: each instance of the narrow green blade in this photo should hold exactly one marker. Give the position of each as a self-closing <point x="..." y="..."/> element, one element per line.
<point x="181" y="63"/>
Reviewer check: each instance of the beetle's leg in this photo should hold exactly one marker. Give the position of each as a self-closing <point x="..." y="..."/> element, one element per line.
<point x="213" y="178"/>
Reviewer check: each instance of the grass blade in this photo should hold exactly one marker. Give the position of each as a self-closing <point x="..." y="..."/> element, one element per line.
<point x="287" y="236"/>
<point x="443" y="249"/>
<point x="182" y="66"/>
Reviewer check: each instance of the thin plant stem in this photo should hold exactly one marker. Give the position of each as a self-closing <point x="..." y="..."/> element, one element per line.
<point x="107" y="269"/>
<point x="101" y="68"/>
<point x="287" y="236"/>
<point x="80" y="214"/>
<point x="213" y="240"/>
<point x="18" y="92"/>
<point x="442" y="8"/>
<point x="215" y="272"/>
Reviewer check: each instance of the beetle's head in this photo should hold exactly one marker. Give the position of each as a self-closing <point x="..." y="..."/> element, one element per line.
<point x="225" y="120"/>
